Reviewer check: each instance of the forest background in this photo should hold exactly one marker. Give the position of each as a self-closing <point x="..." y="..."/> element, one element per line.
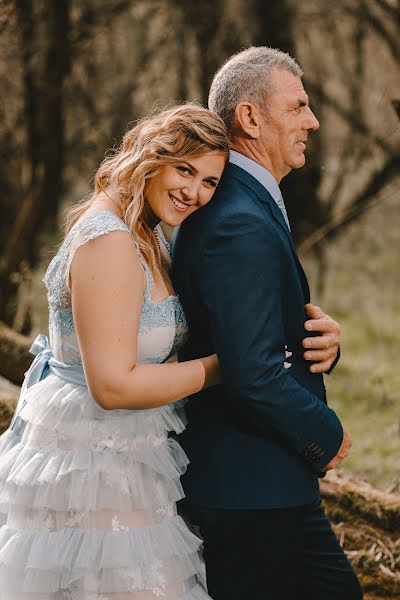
<point x="73" y="74"/>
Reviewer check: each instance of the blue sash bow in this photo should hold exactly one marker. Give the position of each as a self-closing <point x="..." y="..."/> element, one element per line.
<point x="43" y="364"/>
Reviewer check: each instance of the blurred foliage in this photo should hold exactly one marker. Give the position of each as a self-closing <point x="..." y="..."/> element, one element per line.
<point x="363" y="292"/>
<point x="74" y="74"/>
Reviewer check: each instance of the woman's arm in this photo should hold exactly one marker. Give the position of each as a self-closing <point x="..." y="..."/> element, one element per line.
<point x="107" y="286"/>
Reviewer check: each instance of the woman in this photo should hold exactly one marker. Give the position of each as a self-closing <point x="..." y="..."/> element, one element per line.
<point x="89" y="478"/>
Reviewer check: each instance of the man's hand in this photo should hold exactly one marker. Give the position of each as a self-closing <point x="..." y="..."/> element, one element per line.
<point x="343" y="452"/>
<point x="322" y="349"/>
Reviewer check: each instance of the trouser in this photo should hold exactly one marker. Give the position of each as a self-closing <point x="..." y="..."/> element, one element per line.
<point x="278" y="554"/>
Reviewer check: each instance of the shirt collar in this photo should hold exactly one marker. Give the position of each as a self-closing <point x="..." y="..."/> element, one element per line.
<point x="258" y="172"/>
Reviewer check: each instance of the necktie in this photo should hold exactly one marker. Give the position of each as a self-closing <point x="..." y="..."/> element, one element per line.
<point x="281" y="203"/>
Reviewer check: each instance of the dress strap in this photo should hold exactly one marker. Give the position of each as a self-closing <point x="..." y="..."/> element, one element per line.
<point x="147" y="272"/>
<point x="92" y="226"/>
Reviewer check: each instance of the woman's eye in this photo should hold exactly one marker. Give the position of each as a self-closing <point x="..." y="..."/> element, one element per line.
<point x="210" y="182"/>
<point x="184" y="170"/>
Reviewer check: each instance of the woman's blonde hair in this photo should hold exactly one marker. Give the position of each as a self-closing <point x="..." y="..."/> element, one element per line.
<point x="184" y="131"/>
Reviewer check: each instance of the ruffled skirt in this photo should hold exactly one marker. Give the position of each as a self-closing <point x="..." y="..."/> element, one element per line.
<point x="88" y="502"/>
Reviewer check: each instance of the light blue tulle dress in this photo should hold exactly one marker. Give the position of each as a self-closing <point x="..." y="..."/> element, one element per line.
<point x="88" y="496"/>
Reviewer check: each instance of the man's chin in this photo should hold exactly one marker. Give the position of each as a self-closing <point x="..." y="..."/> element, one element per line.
<point x="299" y="162"/>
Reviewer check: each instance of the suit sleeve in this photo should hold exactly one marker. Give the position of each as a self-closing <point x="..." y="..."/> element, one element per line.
<point x="240" y="280"/>
<point x="335" y="362"/>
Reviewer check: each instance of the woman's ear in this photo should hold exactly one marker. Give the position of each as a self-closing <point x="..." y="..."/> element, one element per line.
<point x="247" y="121"/>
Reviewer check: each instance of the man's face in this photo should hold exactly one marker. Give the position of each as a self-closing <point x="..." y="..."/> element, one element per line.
<point x="286" y="124"/>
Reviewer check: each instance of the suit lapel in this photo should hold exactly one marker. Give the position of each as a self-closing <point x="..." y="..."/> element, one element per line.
<point x="279" y="218"/>
<point x="265" y="197"/>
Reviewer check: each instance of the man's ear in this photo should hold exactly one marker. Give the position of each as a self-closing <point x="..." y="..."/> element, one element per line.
<point x="247" y="120"/>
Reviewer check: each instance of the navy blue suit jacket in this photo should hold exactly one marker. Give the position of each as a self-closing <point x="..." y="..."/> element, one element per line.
<point x="259" y="440"/>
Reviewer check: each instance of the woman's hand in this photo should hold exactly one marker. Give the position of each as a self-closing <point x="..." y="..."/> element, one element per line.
<point x="211" y="370"/>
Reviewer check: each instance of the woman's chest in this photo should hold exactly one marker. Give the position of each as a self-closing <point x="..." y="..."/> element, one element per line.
<point x="162" y="330"/>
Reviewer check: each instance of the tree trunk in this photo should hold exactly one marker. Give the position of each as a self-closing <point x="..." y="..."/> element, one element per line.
<point x="9" y="395"/>
<point x="44" y="153"/>
<point x="15" y="357"/>
<point x="215" y="38"/>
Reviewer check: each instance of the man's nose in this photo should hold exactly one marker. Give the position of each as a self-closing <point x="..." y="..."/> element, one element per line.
<point x="312" y="123"/>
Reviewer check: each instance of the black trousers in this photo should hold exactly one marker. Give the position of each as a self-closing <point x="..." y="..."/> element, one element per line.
<point x="279" y="554"/>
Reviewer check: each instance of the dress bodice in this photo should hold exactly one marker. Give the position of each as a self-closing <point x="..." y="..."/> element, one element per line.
<point x="162" y="325"/>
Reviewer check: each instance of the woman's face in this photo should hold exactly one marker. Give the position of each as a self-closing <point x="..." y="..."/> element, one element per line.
<point x="180" y="189"/>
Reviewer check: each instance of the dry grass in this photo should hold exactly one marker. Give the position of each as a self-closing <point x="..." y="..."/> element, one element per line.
<point x="367" y="524"/>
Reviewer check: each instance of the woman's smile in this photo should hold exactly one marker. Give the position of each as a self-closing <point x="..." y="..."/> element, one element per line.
<point x="179" y="205"/>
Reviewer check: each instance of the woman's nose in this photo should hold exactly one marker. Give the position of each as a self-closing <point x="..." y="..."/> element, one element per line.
<point x="191" y="191"/>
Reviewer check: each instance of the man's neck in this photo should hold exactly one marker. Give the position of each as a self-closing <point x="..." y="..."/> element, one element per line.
<point x="262" y="175"/>
<point x="248" y="148"/>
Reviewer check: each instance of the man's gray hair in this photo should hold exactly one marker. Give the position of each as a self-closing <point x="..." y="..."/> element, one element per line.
<point x="248" y="75"/>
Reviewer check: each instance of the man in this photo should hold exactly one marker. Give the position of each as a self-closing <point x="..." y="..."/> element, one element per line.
<point x="258" y="443"/>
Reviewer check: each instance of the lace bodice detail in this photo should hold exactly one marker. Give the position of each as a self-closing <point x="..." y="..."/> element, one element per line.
<point x="162" y="326"/>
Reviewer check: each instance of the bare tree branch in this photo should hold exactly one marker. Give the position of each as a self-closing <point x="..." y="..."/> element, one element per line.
<point x="392" y="11"/>
<point x="368" y="198"/>
<point x="390" y="39"/>
<point x="349" y="116"/>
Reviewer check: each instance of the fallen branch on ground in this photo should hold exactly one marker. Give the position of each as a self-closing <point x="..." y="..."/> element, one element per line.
<point x="367" y="523"/>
